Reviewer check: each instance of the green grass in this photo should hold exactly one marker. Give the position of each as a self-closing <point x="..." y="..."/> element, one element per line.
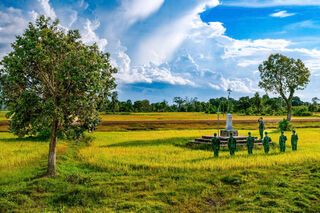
<point x="154" y="171"/>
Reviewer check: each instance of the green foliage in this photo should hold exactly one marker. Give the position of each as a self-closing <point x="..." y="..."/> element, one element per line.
<point x="301" y="111"/>
<point x="313" y="107"/>
<point x="51" y="76"/>
<point x="285" y="125"/>
<point x="283" y="76"/>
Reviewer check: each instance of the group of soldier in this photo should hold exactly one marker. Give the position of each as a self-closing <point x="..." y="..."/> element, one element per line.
<point x="266" y="140"/>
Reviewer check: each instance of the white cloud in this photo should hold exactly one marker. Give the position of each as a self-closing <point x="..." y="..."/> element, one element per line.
<point x="271" y="3"/>
<point x="48" y="11"/>
<point x="214" y="86"/>
<point x="12" y="23"/>
<point x="241" y="48"/>
<point x="90" y="37"/>
<point x="34" y="15"/>
<point x="247" y="63"/>
<point x="159" y="46"/>
<point x="303" y="24"/>
<point x="134" y="10"/>
<point x="282" y="14"/>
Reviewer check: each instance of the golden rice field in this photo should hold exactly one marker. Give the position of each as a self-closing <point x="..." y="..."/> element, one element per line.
<point x="158" y="116"/>
<point x="161" y="150"/>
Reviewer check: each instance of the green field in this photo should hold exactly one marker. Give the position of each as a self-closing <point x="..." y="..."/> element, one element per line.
<point x="155" y="171"/>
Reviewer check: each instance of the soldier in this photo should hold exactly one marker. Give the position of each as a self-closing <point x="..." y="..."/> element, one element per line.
<point x="266" y="143"/>
<point x="282" y="142"/>
<point x="294" y="140"/>
<point x="261" y="127"/>
<point x="250" y="142"/>
<point x="232" y="144"/>
<point x="215" y="142"/>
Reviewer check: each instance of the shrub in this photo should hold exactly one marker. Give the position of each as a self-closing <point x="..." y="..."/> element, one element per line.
<point x="284" y="125"/>
<point x="301" y="111"/>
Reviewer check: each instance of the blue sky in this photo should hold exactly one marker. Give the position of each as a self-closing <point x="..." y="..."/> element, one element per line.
<point x="193" y="48"/>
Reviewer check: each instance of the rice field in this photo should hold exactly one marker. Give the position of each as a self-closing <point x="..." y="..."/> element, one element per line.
<point x="166" y="150"/>
<point x="158" y="116"/>
<point x="156" y="171"/>
<point x="21" y="152"/>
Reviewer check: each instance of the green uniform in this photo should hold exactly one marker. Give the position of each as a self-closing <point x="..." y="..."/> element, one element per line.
<point x="266" y="143"/>
<point x="250" y="142"/>
<point x="282" y="143"/>
<point x="261" y="128"/>
<point x="294" y="142"/>
<point x="215" y="142"/>
<point x="232" y="145"/>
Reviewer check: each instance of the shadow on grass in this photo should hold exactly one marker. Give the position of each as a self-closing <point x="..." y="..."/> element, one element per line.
<point x="25" y="139"/>
<point x="244" y="155"/>
<point x="181" y="142"/>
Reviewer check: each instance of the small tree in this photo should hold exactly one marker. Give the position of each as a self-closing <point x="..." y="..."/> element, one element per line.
<point x="257" y="102"/>
<point x="51" y="79"/>
<point x="282" y="75"/>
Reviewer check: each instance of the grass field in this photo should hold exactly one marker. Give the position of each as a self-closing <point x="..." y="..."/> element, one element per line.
<point x="156" y="116"/>
<point x="155" y="171"/>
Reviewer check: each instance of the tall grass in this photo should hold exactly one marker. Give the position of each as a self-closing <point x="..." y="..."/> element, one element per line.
<point x="20" y="152"/>
<point x="165" y="150"/>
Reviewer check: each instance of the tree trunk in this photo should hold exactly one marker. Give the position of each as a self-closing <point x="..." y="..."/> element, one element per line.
<point x="289" y="112"/>
<point x="52" y="150"/>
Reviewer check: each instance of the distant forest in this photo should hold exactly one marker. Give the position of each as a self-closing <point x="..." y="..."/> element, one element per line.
<point x="262" y="105"/>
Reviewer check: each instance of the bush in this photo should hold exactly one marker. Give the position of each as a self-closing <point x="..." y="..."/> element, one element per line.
<point x="301" y="111"/>
<point x="284" y="125"/>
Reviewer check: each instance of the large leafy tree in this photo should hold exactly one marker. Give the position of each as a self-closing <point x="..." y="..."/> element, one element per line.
<point x="284" y="76"/>
<point x="52" y="79"/>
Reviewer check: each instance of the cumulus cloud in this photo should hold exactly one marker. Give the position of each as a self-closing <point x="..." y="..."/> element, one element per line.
<point x="89" y="36"/>
<point x="282" y="14"/>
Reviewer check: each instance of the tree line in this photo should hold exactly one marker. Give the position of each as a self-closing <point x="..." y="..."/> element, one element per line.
<point x="262" y="105"/>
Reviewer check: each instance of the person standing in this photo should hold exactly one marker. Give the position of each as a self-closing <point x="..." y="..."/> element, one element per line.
<point x="261" y="127"/>
<point x="250" y="143"/>
<point x="215" y="142"/>
<point x="266" y="143"/>
<point x="282" y="142"/>
<point x="232" y="144"/>
<point x="294" y="140"/>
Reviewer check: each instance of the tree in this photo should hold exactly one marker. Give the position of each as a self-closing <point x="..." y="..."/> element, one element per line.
<point x="296" y="101"/>
<point x="282" y="75"/>
<point x="315" y="100"/>
<point x="51" y="79"/>
<point x="179" y="101"/>
<point x="257" y="102"/>
<point x="114" y="104"/>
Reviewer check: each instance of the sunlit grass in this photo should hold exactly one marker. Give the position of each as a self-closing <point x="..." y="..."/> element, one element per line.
<point x="162" y="150"/>
<point x="17" y="153"/>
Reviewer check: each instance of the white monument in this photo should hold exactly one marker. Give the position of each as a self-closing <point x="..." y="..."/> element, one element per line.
<point x="229" y="128"/>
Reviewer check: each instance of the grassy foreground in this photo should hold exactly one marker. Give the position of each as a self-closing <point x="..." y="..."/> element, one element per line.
<point x="154" y="171"/>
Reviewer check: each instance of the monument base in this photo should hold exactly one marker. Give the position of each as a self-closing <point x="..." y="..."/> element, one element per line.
<point x="226" y="133"/>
